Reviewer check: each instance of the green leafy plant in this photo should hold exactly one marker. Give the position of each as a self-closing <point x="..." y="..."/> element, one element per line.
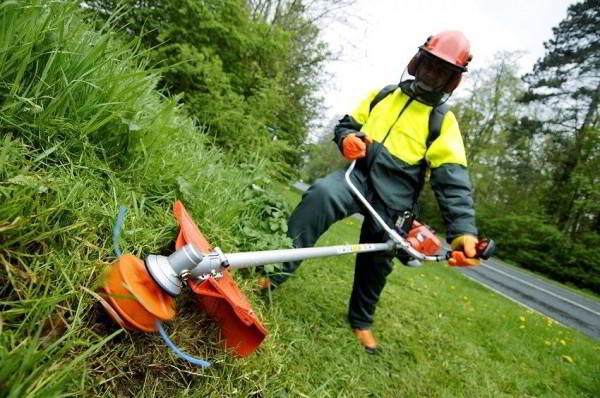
<point x="263" y="221"/>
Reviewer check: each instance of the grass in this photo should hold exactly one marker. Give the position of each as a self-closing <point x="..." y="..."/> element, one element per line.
<point x="442" y="335"/>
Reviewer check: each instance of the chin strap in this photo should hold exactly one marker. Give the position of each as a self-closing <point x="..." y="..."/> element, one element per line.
<point x="431" y="99"/>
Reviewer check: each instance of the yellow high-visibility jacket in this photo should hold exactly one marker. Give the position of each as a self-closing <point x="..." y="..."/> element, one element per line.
<point x="396" y="163"/>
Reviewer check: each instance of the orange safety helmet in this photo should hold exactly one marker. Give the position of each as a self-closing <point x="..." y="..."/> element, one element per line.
<point x="452" y="47"/>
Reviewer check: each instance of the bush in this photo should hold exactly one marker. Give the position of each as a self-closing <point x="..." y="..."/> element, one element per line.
<point x="530" y="241"/>
<point x="534" y="244"/>
<point x="237" y="74"/>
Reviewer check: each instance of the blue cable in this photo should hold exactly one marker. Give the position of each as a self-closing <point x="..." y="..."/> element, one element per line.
<point x="115" y="234"/>
<point x="117" y="229"/>
<point x="177" y="351"/>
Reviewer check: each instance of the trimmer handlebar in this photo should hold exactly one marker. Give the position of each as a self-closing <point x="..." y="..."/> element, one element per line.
<point x="485" y="248"/>
<point x="400" y="242"/>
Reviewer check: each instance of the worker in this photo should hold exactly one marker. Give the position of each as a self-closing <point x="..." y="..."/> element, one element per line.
<point x="391" y="142"/>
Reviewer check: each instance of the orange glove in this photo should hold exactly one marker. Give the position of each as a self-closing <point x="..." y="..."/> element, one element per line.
<point x="355" y="147"/>
<point x="463" y="247"/>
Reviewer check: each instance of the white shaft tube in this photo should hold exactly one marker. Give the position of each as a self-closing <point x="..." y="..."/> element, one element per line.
<point x="215" y="262"/>
<point x="243" y="260"/>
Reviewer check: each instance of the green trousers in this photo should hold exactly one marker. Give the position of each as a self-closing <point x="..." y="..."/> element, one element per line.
<point x="329" y="200"/>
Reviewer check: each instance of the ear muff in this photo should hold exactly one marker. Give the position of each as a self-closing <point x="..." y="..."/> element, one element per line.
<point x="455" y="81"/>
<point x="411" y="68"/>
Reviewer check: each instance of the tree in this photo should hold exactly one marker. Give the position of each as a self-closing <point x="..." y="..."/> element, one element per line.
<point x="490" y="104"/>
<point x="303" y="74"/>
<point x="249" y="74"/>
<point x="323" y="156"/>
<point x="499" y="149"/>
<point x="565" y="84"/>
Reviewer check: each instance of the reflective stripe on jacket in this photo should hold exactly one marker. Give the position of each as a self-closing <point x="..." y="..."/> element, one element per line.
<point x="397" y="167"/>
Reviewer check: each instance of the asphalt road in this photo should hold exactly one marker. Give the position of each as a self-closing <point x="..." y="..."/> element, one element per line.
<point x="558" y="303"/>
<point x="562" y="305"/>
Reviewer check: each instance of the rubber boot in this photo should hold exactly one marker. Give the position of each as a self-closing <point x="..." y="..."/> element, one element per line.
<point x="366" y="339"/>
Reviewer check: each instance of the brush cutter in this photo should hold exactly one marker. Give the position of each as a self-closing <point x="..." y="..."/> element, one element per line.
<point x="140" y="293"/>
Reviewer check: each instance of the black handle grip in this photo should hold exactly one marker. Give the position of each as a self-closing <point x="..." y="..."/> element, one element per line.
<point x="360" y="134"/>
<point x="485" y="248"/>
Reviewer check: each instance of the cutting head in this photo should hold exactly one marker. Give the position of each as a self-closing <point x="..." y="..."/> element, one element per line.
<point x="134" y="296"/>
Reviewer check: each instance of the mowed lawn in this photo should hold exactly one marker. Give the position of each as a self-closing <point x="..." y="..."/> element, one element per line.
<point x="441" y="335"/>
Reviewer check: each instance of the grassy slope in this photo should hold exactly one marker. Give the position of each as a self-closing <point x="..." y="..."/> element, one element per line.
<point x="442" y="335"/>
<point x="83" y="130"/>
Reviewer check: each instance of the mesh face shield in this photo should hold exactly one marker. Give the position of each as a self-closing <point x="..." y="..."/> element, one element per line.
<point x="434" y="75"/>
<point x="434" y="79"/>
<point x="432" y="98"/>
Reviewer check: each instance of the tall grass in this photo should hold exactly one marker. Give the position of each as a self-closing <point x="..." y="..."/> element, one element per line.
<point x="83" y="130"/>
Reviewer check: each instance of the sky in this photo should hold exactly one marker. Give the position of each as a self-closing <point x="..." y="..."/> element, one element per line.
<point x="381" y="36"/>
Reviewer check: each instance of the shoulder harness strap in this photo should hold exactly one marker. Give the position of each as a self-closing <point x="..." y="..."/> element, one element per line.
<point x="387" y="90"/>
<point x="436" y="117"/>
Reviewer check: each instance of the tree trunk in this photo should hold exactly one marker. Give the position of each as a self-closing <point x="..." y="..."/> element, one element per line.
<point x="596" y="227"/>
<point x="561" y="183"/>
